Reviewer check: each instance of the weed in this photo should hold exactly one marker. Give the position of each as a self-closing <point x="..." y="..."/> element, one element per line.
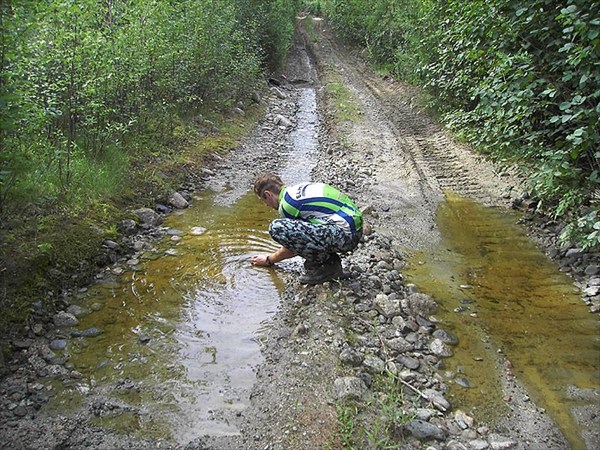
<point x="347" y="414"/>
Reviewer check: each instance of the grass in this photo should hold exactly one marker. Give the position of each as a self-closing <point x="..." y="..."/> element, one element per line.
<point x="344" y="103"/>
<point x="309" y="26"/>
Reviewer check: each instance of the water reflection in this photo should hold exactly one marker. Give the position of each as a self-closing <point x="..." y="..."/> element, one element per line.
<point x="496" y="287"/>
<point x="184" y="327"/>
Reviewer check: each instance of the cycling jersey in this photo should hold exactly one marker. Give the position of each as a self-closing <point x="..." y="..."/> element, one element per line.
<point x="320" y="204"/>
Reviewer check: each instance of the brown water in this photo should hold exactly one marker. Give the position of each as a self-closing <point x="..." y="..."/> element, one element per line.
<point x="183" y="325"/>
<point x="498" y="292"/>
<point x="181" y="328"/>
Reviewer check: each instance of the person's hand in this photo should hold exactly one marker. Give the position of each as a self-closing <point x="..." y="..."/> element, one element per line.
<point x="260" y="260"/>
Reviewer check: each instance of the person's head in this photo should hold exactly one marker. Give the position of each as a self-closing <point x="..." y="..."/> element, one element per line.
<point x="267" y="187"/>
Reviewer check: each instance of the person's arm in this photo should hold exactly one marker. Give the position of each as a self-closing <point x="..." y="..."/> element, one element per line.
<point x="269" y="260"/>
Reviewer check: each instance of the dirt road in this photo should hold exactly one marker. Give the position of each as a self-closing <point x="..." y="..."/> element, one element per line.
<point x="350" y="364"/>
<point x="396" y="161"/>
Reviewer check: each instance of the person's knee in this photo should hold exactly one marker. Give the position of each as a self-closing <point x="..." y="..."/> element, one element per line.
<point x="277" y="229"/>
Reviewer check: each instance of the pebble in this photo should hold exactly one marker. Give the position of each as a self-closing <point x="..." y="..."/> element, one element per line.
<point x="374" y="364"/>
<point x="424" y="430"/>
<point x="58" y="344"/>
<point x="409" y="362"/>
<point x="349" y="388"/>
<point x="176" y="200"/>
<point x="463" y="420"/>
<point x="197" y="231"/>
<point x="78" y="311"/>
<point x="479" y="444"/>
<point x="498" y="442"/>
<point x="463" y="382"/>
<point x="592" y="270"/>
<point x="65" y="319"/>
<point x="351" y="357"/>
<point x="20" y="411"/>
<point x="439" y="348"/>
<point x="446" y="336"/>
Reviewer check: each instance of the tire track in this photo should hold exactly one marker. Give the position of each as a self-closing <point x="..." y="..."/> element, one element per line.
<point x="440" y="162"/>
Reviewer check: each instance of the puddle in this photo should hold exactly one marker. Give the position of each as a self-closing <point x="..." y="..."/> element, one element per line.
<point x="301" y="163"/>
<point x="498" y="291"/>
<point x="180" y="331"/>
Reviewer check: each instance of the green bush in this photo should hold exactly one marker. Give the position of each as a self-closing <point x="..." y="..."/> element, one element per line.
<point x="519" y="79"/>
<point x="81" y="81"/>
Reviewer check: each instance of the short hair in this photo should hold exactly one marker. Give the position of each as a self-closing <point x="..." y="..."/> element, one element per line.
<point x="267" y="181"/>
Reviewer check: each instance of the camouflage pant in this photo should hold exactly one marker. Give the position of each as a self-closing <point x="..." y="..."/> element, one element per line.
<point x="315" y="243"/>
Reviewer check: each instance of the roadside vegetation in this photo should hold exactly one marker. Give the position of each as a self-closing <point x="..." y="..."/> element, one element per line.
<point x="109" y="105"/>
<point x="519" y="80"/>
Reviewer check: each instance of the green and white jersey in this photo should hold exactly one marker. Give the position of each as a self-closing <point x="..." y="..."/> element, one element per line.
<point x="320" y="204"/>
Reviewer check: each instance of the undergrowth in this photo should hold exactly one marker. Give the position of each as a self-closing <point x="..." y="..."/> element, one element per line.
<point x="54" y="246"/>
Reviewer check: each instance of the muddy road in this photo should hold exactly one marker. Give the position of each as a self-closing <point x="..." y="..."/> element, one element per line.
<point x="363" y="363"/>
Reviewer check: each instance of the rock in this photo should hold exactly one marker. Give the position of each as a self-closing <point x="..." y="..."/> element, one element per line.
<point x="437" y="399"/>
<point x="374" y="364"/>
<point x="197" y="231"/>
<point x="78" y="311"/>
<point x="148" y="217"/>
<point x="479" y="444"/>
<point x="463" y="382"/>
<point x="424" y="430"/>
<point x="409" y="362"/>
<point x="282" y="121"/>
<point x="278" y="93"/>
<point x="573" y="253"/>
<point x="445" y="336"/>
<point x="351" y="357"/>
<point x="439" y="348"/>
<point x="399" y="344"/>
<point x="498" y="442"/>
<point x="454" y="445"/>
<point x="22" y="344"/>
<point x="425" y="413"/>
<point x="162" y="209"/>
<point x="385" y="306"/>
<point x="127" y="226"/>
<point x="65" y="319"/>
<point x="400" y="323"/>
<point x="592" y="269"/>
<point x="239" y="111"/>
<point x="58" y="344"/>
<point x="20" y="411"/>
<point x="463" y="420"/>
<point x="591" y="291"/>
<point x="176" y="200"/>
<point x="110" y="244"/>
<point x="256" y="97"/>
<point x="419" y="304"/>
<point x="88" y="332"/>
<point x="350" y="388"/>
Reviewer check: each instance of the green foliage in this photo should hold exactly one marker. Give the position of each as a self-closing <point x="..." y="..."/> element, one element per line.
<point x="314" y="7"/>
<point x="376" y="423"/>
<point x="83" y="80"/>
<point x="585" y="230"/>
<point x="345" y="104"/>
<point x="518" y="79"/>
